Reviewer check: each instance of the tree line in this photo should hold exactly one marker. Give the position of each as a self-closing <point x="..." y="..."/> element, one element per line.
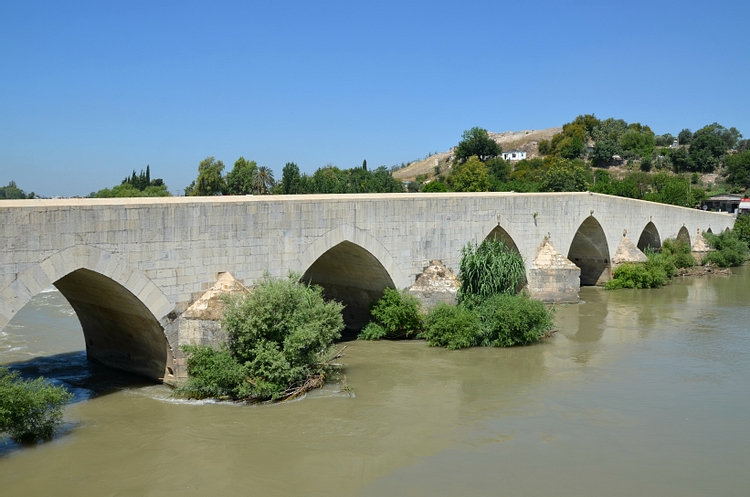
<point x="247" y="178"/>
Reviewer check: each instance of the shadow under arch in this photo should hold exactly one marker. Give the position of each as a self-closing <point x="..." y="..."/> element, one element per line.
<point x="684" y="236"/>
<point x="498" y="233"/>
<point x="353" y="276"/>
<point x="649" y="238"/>
<point x="590" y="252"/>
<point x="116" y="306"/>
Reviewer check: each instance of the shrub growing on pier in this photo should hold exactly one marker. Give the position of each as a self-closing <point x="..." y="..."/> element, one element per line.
<point x="278" y="338"/>
<point x="30" y="409"/>
<point x="395" y="315"/>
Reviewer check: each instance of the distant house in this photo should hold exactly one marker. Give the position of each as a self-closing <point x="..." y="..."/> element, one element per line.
<point x="722" y="203"/>
<point x="514" y="155"/>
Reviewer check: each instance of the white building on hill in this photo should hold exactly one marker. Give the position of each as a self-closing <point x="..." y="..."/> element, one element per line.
<point x="514" y="155"/>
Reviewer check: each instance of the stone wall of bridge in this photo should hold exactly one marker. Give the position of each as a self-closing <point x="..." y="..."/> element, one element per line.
<point x="144" y="261"/>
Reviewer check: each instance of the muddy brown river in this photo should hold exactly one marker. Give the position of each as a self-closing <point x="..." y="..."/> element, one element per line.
<point x="639" y="393"/>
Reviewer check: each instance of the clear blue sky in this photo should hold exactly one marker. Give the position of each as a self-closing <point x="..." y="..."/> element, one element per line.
<point x="90" y="91"/>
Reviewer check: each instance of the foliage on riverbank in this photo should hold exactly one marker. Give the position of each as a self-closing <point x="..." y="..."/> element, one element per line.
<point x="280" y="339"/>
<point x="30" y="410"/>
<point x="490" y="310"/>
<point x="657" y="271"/>
<point x="729" y="249"/>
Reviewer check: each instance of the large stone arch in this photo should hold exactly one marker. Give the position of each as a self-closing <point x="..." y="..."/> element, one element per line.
<point x="649" y="237"/>
<point x="589" y="251"/>
<point x="120" y="309"/>
<point x="352" y="268"/>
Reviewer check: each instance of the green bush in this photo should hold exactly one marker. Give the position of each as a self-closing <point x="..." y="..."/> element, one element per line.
<point x="30" y="409"/>
<point x="637" y="275"/>
<point x="509" y="320"/>
<point x="395" y="315"/>
<point x="657" y="271"/>
<point x="499" y="320"/>
<point x="677" y="252"/>
<point x="490" y="268"/>
<point x="213" y="373"/>
<point x="452" y="327"/>
<point x="277" y="338"/>
<point x="729" y="251"/>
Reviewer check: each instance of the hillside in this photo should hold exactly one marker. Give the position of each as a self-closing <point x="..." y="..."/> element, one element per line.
<point x="527" y="140"/>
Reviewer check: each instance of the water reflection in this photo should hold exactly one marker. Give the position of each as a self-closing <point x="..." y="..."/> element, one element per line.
<point x="639" y="393"/>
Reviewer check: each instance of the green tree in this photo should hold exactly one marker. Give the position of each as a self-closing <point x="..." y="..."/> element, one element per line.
<point x="637" y="141"/>
<point x="477" y="142"/>
<point x="684" y="137"/>
<point x="564" y="175"/>
<point x="291" y="179"/>
<point x="603" y="152"/>
<point x="242" y="178"/>
<point x="435" y="187"/>
<point x="738" y="170"/>
<point x="209" y="181"/>
<point x="11" y="191"/>
<point x="470" y="176"/>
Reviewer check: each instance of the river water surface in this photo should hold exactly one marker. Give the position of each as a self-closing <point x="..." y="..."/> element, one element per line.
<point x="639" y="393"/>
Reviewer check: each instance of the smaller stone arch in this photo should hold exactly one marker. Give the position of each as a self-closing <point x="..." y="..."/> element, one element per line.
<point x="589" y="251"/>
<point x="498" y="233"/>
<point x="683" y="235"/>
<point x="649" y="238"/>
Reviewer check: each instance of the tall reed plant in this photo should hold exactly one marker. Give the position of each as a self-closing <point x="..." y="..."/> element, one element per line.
<point x="488" y="269"/>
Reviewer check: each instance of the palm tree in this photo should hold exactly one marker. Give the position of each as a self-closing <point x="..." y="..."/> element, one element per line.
<point x="264" y="181"/>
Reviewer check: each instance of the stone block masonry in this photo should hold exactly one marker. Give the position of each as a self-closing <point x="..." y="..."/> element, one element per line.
<point x="131" y="267"/>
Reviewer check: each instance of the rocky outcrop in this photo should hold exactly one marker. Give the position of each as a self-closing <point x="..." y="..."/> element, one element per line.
<point x="553" y="278"/>
<point x="436" y="284"/>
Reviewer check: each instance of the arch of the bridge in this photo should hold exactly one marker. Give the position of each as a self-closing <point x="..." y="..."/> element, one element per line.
<point x="118" y="307"/>
<point x="352" y="267"/>
<point x="684" y="235"/>
<point x="499" y="233"/>
<point x="589" y="250"/>
<point x="649" y="237"/>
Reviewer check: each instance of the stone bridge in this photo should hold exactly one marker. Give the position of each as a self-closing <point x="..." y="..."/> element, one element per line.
<point x="131" y="267"/>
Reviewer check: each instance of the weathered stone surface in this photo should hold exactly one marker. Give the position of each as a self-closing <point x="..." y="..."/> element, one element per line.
<point x="210" y="305"/>
<point x="700" y="248"/>
<point x="553" y="278"/>
<point x="200" y="324"/>
<point x="436" y="284"/>
<point x="627" y="252"/>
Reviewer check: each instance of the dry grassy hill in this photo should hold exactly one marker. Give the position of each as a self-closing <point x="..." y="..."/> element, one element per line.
<point x="527" y="140"/>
